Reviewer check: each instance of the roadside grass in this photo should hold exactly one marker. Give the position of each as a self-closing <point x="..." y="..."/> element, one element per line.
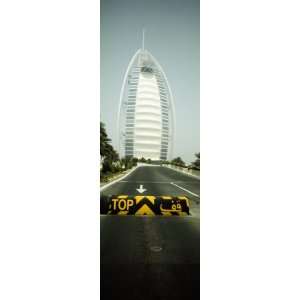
<point x="107" y="177"/>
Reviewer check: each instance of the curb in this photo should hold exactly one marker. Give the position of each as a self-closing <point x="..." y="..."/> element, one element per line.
<point x="117" y="179"/>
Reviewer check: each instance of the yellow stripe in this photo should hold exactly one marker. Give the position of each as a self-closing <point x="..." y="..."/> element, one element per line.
<point x="187" y="203"/>
<point x="123" y="212"/>
<point x="145" y="210"/>
<point x="122" y="196"/>
<point x="186" y="199"/>
<point x="166" y="213"/>
<point x="138" y="199"/>
<point x="151" y="199"/>
<point x="183" y="214"/>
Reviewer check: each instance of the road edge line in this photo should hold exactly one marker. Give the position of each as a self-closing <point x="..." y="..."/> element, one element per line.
<point x="185" y="190"/>
<point x="117" y="180"/>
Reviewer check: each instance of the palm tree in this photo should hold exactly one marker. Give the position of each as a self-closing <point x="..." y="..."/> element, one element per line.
<point x="178" y="162"/>
<point x="109" y="156"/>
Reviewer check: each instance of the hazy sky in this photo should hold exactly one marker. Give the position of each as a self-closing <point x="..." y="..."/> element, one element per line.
<point x="172" y="37"/>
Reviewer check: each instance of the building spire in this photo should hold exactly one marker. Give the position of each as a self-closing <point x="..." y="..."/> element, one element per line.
<point x="143" y="39"/>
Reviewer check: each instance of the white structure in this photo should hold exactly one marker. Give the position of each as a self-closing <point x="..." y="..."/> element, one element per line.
<point x="146" y="110"/>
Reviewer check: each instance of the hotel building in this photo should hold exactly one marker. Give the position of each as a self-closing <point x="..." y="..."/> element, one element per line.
<point x="146" y="117"/>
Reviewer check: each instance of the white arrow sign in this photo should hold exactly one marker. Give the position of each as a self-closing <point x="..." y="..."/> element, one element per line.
<point x="141" y="189"/>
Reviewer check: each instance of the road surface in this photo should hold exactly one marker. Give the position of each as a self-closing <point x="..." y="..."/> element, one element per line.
<point x="144" y="257"/>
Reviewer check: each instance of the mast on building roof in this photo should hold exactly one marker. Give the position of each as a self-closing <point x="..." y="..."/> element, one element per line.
<point x="143" y="39"/>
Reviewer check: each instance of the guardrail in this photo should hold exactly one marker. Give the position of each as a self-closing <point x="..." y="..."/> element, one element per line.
<point x="184" y="170"/>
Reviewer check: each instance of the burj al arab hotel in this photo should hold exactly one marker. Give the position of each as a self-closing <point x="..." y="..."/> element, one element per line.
<point x="146" y="117"/>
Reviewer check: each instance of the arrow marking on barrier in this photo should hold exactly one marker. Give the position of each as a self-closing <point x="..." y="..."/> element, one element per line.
<point x="141" y="189"/>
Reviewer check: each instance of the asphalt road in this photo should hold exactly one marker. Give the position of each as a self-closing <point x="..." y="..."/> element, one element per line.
<point x="145" y="257"/>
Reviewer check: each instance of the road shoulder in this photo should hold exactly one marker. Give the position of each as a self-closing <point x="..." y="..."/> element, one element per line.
<point x="103" y="186"/>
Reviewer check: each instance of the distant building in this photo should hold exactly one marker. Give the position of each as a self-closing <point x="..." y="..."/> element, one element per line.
<point x="146" y="110"/>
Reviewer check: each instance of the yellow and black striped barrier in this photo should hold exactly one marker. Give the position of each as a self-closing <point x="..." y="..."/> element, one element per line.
<point x="145" y="205"/>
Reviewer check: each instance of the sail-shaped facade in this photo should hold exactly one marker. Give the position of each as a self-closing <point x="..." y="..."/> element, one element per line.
<point x="146" y="117"/>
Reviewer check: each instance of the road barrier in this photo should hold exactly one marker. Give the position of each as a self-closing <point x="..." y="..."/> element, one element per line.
<point x="145" y="205"/>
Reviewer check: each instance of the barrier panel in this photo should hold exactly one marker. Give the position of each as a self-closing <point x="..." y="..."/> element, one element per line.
<point x="145" y="205"/>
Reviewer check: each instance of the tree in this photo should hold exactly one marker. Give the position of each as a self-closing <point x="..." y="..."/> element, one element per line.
<point x="128" y="162"/>
<point x="178" y="162"/>
<point x="135" y="161"/>
<point x="196" y="163"/>
<point x="104" y="141"/>
<point x="109" y="156"/>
